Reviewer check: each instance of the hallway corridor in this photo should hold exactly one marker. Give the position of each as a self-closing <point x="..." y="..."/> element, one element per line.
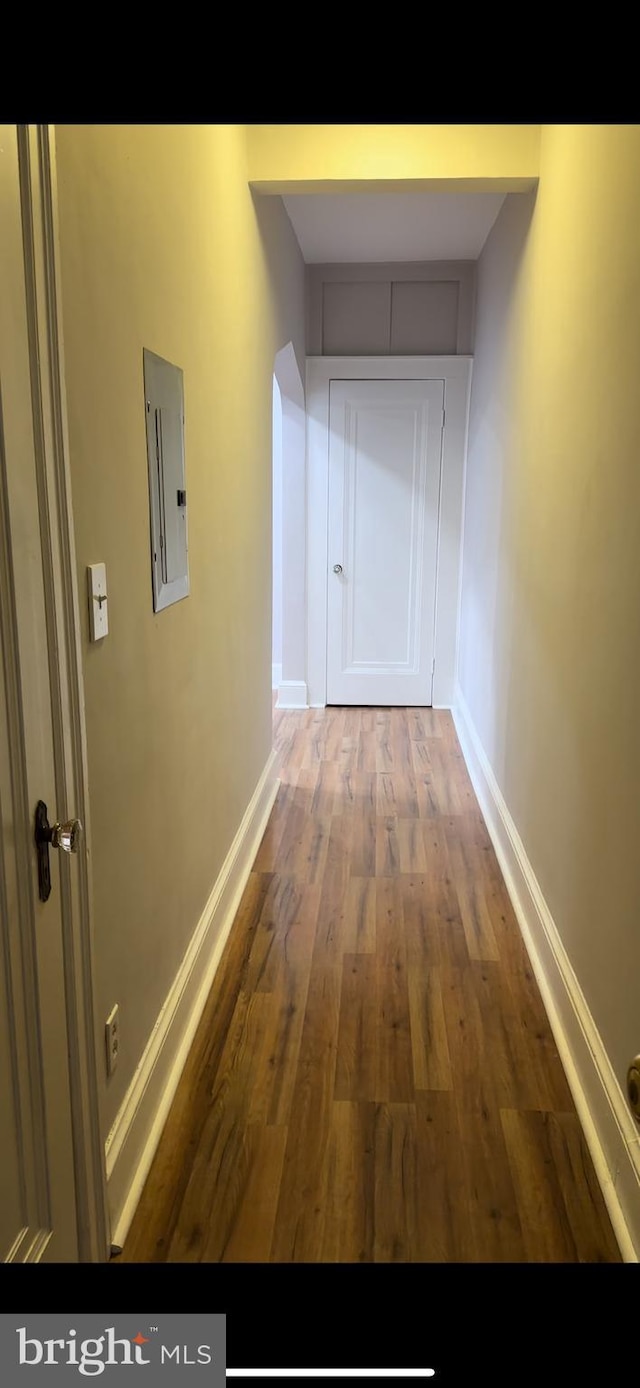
<point x="374" y="1077"/>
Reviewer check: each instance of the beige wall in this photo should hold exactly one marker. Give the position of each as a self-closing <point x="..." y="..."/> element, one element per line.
<point x="163" y="247"/>
<point x="549" y="655"/>
<point x="316" y="158"/>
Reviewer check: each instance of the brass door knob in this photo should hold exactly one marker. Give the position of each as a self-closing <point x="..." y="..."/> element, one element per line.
<point x="66" y="836"/>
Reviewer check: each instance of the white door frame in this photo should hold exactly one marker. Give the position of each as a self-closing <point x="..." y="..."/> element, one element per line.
<point x="38" y="189"/>
<point x="456" y="374"/>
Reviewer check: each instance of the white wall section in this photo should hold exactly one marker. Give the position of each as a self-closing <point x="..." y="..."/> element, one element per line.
<point x="276" y="627"/>
<point x="293" y="690"/>
<point x="407" y="226"/>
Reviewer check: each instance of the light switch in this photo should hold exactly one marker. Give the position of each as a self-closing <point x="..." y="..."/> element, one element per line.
<point x="98" y="606"/>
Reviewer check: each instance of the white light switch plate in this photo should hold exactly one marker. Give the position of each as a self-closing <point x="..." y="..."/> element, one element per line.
<point x="98" y="606"/>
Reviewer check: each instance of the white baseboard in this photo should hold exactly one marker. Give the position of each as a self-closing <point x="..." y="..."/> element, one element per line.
<point x="292" y="694"/>
<point x="276" y="676"/>
<point x="609" y="1128"/>
<point x="135" y="1134"/>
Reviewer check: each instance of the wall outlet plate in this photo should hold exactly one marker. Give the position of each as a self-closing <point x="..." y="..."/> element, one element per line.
<point x="112" y="1038"/>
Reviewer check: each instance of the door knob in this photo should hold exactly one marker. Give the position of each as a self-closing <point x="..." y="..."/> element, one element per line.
<point x="337" y="568"/>
<point x="65" y="836"/>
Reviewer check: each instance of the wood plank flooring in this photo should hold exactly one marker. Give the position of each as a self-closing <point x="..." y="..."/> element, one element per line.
<point x="374" y="1078"/>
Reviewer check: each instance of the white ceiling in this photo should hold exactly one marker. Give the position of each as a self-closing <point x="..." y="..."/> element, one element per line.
<point x="392" y="226"/>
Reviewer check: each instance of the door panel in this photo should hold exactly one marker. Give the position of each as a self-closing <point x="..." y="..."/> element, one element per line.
<point x="384" y="484"/>
<point x="37" y="1190"/>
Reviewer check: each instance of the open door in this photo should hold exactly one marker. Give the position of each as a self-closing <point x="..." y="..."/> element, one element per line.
<point x="52" y="1190"/>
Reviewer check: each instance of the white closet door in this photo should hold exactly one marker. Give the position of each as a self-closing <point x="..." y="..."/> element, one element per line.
<point x="385" y="443"/>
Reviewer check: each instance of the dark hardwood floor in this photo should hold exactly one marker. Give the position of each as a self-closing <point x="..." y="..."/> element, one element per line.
<point x="374" y="1077"/>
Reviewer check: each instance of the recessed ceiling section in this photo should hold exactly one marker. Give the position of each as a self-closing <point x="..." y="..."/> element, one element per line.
<point x="372" y="227"/>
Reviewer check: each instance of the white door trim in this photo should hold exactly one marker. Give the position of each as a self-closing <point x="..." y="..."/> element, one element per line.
<point x="38" y="186"/>
<point x="456" y="374"/>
